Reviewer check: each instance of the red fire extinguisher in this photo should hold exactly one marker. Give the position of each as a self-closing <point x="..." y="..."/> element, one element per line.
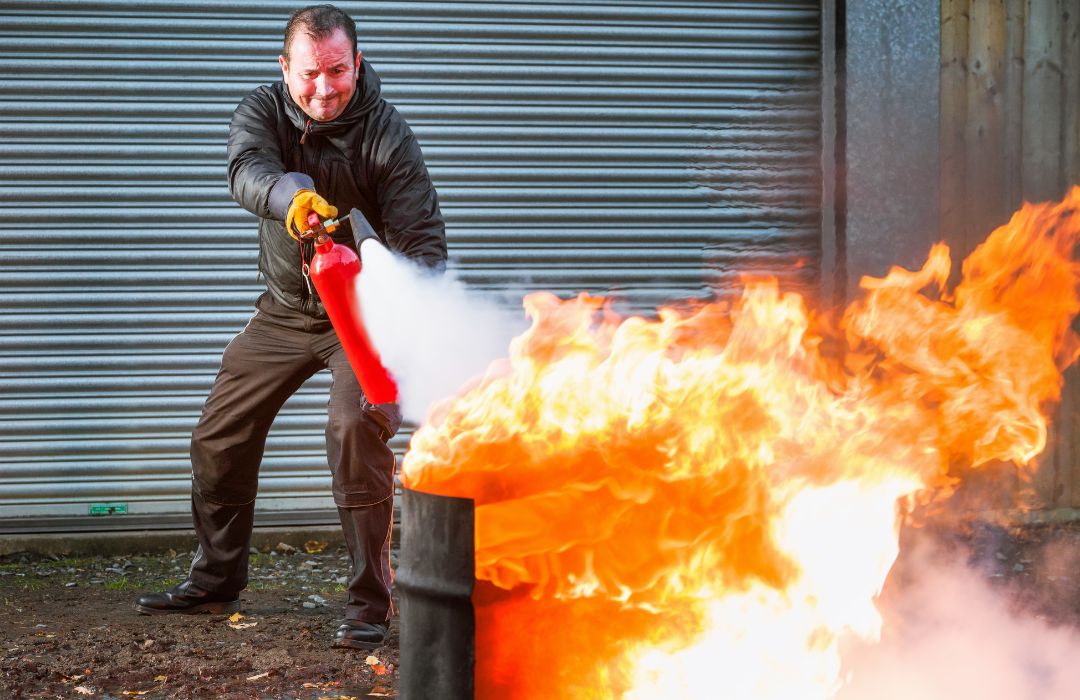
<point x="334" y="270"/>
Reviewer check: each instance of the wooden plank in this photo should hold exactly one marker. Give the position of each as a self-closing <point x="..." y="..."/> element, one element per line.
<point x="985" y="128"/>
<point x="1071" y="81"/>
<point x="1015" y="15"/>
<point x="1055" y="482"/>
<point x="1042" y="132"/>
<point x="953" y="216"/>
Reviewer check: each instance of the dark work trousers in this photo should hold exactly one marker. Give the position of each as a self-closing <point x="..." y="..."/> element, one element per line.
<point x="262" y="367"/>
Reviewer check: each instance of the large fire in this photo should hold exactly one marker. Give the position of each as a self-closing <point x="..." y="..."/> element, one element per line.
<point x="717" y="494"/>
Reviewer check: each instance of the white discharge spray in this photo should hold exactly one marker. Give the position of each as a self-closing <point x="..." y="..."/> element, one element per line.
<point x="432" y="333"/>
<point x="949" y="635"/>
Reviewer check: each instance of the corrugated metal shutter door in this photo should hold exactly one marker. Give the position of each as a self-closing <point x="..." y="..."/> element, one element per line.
<point x="650" y="149"/>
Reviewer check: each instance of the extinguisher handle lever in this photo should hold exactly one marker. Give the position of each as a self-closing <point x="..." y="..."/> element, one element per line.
<point x="317" y="227"/>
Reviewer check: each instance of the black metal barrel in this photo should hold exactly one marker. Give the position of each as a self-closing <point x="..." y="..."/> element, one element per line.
<point x="435" y="579"/>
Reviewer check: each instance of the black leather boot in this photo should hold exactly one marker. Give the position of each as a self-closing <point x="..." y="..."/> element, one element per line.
<point x="187" y="598"/>
<point x="361" y="635"/>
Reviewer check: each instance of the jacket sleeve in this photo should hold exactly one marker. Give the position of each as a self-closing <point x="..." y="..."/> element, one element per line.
<point x="258" y="179"/>
<point x="409" y="204"/>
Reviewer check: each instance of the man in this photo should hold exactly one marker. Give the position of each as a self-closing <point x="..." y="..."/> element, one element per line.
<point x="323" y="140"/>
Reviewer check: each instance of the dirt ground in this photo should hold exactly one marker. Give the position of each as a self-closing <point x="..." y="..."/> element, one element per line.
<point x="67" y="629"/>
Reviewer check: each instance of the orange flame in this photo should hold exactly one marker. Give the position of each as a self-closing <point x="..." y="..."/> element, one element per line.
<point x="660" y="504"/>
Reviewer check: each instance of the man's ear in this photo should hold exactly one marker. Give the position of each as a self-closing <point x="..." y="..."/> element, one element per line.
<point x="356" y="68"/>
<point x="284" y="66"/>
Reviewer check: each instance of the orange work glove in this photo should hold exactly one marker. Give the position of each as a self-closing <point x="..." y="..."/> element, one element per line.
<point x="303" y="203"/>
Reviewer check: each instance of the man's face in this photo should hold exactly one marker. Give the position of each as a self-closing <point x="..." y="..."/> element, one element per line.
<point x="321" y="74"/>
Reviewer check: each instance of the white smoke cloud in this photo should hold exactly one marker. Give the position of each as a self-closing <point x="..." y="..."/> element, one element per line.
<point x="432" y="333"/>
<point x="948" y="634"/>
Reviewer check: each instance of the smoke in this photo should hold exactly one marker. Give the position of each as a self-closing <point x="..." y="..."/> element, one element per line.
<point x="432" y="333"/>
<point x="948" y="634"/>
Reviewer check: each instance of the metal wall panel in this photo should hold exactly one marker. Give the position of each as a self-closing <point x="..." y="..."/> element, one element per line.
<point x="651" y="150"/>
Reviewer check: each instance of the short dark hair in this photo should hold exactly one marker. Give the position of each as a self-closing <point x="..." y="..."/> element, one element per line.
<point x="319" y="22"/>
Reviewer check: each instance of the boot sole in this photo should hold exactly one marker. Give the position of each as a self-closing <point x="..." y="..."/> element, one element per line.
<point x="209" y="608"/>
<point x="353" y="644"/>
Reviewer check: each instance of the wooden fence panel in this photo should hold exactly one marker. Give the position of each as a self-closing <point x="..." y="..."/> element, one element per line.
<point x="1051" y="158"/>
<point x="1010" y="131"/>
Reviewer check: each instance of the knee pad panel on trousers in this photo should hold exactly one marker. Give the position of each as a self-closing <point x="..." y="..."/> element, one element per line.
<point x="225" y="454"/>
<point x="361" y="463"/>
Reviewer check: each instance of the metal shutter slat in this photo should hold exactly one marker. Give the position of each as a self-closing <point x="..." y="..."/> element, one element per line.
<point x="647" y="149"/>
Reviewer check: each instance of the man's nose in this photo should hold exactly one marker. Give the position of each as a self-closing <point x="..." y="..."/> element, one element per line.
<point x="322" y="85"/>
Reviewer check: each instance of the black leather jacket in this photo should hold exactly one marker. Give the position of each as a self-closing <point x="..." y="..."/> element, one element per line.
<point x="367" y="159"/>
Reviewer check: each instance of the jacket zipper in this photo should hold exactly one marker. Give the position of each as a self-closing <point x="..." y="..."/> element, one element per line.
<point x="304" y="270"/>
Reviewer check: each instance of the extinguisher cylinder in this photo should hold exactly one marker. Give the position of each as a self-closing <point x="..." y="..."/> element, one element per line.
<point x="335" y="270"/>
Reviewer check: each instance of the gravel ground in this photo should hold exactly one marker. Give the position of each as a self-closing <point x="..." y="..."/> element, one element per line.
<point x="67" y="629"/>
